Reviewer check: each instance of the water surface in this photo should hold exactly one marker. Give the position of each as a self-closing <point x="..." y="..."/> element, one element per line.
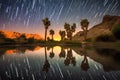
<point x="59" y="63"/>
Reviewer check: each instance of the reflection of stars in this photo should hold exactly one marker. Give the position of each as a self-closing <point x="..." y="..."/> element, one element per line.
<point x="29" y="13"/>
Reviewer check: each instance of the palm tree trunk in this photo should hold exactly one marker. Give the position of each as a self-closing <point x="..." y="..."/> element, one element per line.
<point x="71" y="37"/>
<point x="52" y="37"/>
<point x="85" y="35"/>
<point x="45" y="34"/>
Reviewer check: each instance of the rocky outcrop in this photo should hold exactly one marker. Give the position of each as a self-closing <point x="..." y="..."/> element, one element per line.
<point x="12" y="35"/>
<point x="104" y="27"/>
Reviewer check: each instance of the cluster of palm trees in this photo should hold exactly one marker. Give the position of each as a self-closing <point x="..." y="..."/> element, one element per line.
<point x="69" y="29"/>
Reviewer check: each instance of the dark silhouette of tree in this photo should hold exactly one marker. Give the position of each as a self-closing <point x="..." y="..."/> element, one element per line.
<point x="70" y="59"/>
<point x="46" y="65"/>
<point x="69" y="30"/>
<point x="62" y="35"/>
<point x="48" y="38"/>
<point x="62" y="53"/>
<point x="31" y="40"/>
<point x="46" y="23"/>
<point x="52" y="33"/>
<point x="73" y="27"/>
<point x="21" y="39"/>
<point x="2" y="38"/>
<point x="84" y="23"/>
<point x="85" y="64"/>
<point x="52" y="54"/>
<point x="116" y="31"/>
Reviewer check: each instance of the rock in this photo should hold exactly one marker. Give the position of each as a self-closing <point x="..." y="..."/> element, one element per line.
<point x="104" y="27"/>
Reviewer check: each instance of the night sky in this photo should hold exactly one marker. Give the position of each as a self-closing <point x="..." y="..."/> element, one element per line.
<point x="26" y="15"/>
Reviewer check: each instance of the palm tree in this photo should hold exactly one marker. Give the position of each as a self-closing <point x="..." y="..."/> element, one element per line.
<point x="52" y="33"/>
<point x="73" y="27"/>
<point x="84" y="23"/>
<point x="62" y="34"/>
<point x="46" y="23"/>
<point x="67" y="28"/>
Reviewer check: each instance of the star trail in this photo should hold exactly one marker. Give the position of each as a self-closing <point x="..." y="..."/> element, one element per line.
<point x="26" y="15"/>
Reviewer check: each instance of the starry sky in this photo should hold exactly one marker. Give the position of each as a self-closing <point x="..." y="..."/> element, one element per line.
<point x="26" y="15"/>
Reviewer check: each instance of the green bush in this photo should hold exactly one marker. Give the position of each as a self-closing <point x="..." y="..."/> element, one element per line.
<point x="105" y="38"/>
<point x="31" y="40"/>
<point x="9" y="41"/>
<point x="116" y="31"/>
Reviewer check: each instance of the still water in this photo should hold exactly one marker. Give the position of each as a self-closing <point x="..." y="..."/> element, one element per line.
<point x="59" y="63"/>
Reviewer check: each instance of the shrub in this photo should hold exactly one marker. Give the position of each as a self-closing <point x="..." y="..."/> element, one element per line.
<point x="9" y="41"/>
<point x="89" y="40"/>
<point x="116" y="31"/>
<point x="31" y="40"/>
<point x="105" y="38"/>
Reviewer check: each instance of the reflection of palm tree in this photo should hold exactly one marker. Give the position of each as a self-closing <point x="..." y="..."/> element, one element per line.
<point x="52" y="53"/>
<point x="21" y="50"/>
<point x="62" y="53"/>
<point x="85" y="64"/>
<point x="70" y="59"/>
<point x="52" y="33"/>
<point x="46" y="65"/>
<point x="46" y="23"/>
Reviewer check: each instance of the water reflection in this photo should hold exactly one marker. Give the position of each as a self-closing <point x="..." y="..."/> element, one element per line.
<point x="62" y="53"/>
<point x="52" y="54"/>
<point x="46" y="65"/>
<point x="84" y="64"/>
<point x="70" y="59"/>
<point x="17" y="49"/>
<point x="59" y="63"/>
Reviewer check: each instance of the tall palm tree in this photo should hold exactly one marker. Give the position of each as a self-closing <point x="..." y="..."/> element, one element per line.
<point x="46" y="23"/>
<point x="52" y="33"/>
<point x="62" y="34"/>
<point x="84" y="23"/>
